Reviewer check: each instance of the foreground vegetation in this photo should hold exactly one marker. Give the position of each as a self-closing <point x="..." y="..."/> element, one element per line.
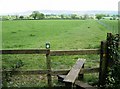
<point x="62" y="34"/>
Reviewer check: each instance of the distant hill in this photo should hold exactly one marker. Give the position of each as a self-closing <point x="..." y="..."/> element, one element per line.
<point x="77" y="12"/>
<point x="64" y="12"/>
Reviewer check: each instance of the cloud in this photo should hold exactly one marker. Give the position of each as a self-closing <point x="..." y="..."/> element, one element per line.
<point x="12" y="6"/>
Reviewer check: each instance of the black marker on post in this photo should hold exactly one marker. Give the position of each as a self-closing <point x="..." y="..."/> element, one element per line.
<point x="47" y="45"/>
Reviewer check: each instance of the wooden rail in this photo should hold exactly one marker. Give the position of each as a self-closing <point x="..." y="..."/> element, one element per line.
<point x="49" y="71"/>
<point x="74" y="52"/>
<point x="24" y="51"/>
<point x="82" y="85"/>
<point x="52" y="52"/>
<point x="53" y="72"/>
<point x="48" y="53"/>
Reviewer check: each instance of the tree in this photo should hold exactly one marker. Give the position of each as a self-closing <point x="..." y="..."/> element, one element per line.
<point x="86" y="16"/>
<point x="35" y="14"/>
<point x="73" y="16"/>
<point x="107" y="15"/>
<point x="62" y="16"/>
<point x="16" y="17"/>
<point x="40" y="16"/>
<point x="21" y="17"/>
<point x="99" y="16"/>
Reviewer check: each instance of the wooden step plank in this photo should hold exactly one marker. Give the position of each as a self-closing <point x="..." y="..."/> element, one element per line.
<point x="83" y="85"/>
<point x="73" y="74"/>
<point x="79" y="84"/>
<point x="61" y="77"/>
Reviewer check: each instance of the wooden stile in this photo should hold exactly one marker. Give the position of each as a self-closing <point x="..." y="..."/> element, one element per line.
<point x="73" y="74"/>
<point x="82" y="85"/>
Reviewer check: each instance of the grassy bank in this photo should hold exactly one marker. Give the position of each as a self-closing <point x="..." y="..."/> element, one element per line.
<point x="111" y="25"/>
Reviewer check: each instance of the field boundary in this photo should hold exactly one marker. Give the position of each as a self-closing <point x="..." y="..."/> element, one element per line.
<point x="49" y="53"/>
<point x="52" y="52"/>
<point x="53" y="72"/>
<point x="102" y="69"/>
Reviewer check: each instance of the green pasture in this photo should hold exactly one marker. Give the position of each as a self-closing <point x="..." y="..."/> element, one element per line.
<point x="62" y="35"/>
<point x="111" y="25"/>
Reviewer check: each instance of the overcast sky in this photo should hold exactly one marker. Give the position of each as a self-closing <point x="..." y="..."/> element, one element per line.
<point x="15" y="6"/>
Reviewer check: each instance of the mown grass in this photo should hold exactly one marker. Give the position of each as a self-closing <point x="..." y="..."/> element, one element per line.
<point x="62" y="34"/>
<point x="112" y="25"/>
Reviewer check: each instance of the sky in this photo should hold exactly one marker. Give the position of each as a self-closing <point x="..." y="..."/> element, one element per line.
<point x="16" y="6"/>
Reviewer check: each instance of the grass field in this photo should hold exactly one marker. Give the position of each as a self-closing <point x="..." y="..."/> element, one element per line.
<point x="62" y="35"/>
<point x="111" y="25"/>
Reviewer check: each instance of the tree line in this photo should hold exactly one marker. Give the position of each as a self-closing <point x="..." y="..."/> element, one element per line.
<point x="36" y="15"/>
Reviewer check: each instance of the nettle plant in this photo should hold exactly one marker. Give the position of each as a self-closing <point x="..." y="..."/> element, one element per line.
<point x="113" y="77"/>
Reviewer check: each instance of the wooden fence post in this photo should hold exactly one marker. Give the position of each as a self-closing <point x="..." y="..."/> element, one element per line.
<point x="48" y="63"/>
<point x="103" y="64"/>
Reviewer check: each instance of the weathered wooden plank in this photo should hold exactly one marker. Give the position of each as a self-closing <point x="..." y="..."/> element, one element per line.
<point x="48" y="64"/>
<point x="81" y="75"/>
<point x="36" y="72"/>
<point x="24" y="51"/>
<point x="26" y="72"/>
<point x="103" y="63"/>
<point x="52" y="53"/>
<point x="53" y="72"/>
<point x="60" y="72"/>
<point x="85" y="71"/>
<point x="82" y="85"/>
<point x="89" y="70"/>
<point x="61" y="77"/>
<point x="74" y="52"/>
<point x="73" y="74"/>
<point x="79" y="84"/>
